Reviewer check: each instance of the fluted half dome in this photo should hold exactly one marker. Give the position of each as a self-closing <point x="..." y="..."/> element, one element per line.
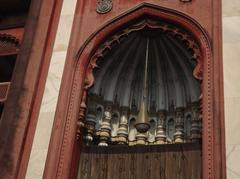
<point x="120" y="76"/>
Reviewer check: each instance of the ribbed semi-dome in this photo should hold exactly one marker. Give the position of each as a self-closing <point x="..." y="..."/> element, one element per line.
<point x="145" y="91"/>
<point x="120" y="76"/>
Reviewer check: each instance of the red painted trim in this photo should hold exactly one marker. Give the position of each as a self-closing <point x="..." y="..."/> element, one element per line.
<point x="63" y="139"/>
<point x="39" y="89"/>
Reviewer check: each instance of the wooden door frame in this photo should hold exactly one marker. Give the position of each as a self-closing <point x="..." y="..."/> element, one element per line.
<point x="22" y="107"/>
<point x="65" y="145"/>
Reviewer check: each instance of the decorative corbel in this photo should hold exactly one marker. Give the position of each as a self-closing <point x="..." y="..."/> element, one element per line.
<point x="89" y="80"/>
<point x="198" y="70"/>
<point x="81" y="115"/>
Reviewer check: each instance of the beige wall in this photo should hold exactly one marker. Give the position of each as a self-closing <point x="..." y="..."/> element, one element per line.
<point x="231" y="38"/>
<point x="231" y="54"/>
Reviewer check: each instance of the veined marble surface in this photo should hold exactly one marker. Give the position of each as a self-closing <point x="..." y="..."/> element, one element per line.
<point x="231" y="60"/>
<point x="230" y="8"/>
<point x="231" y="53"/>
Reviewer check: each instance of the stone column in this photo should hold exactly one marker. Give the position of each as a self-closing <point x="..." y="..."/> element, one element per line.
<point x="90" y="122"/>
<point x="141" y="138"/>
<point x="195" y="127"/>
<point x="90" y="128"/>
<point x="179" y="126"/>
<point x="161" y="128"/>
<point x="105" y="129"/>
<point x="122" y="132"/>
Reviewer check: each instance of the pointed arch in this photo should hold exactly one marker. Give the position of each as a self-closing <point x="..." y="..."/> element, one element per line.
<point x="82" y="78"/>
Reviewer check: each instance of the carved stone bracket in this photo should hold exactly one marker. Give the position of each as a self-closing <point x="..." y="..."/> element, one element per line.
<point x="89" y="80"/>
<point x="81" y="115"/>
<point x="104" y="6"/>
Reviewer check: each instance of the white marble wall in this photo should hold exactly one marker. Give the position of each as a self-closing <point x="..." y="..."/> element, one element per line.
<point x="47" y="111"/>
<point x="231" y="34"/>
<point x="231" y="54"/>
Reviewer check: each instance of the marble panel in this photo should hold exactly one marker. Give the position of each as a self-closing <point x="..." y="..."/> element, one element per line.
<point x="231" y="69"/>
<point x="231" y="31"/>
<point x="63" y="34"/>
<point x="231" y="54"/>
<point x="231" y="7"/>
<point x="43" y="132"/>
<point x="35" y="166"/>
<point x="68" y="7"/>
<point x="233" y="159"/>
<point x="232" y="121"/>
<point x="53" y="82"/>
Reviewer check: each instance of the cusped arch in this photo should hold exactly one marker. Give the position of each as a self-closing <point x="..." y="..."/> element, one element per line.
<point x="86" y="59"/>
<point x="89" y="53"/>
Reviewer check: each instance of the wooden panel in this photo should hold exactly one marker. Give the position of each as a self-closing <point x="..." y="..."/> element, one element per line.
<point x="178" y="161"/>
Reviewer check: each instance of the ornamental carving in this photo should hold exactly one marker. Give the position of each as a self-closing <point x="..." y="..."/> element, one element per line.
<point x="166" y="127"/>
<point x="171" y="30"/>
<point x="104" y="6"/>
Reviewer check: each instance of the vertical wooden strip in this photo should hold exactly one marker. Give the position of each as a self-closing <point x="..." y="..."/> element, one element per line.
<point x="163" y="162"/>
